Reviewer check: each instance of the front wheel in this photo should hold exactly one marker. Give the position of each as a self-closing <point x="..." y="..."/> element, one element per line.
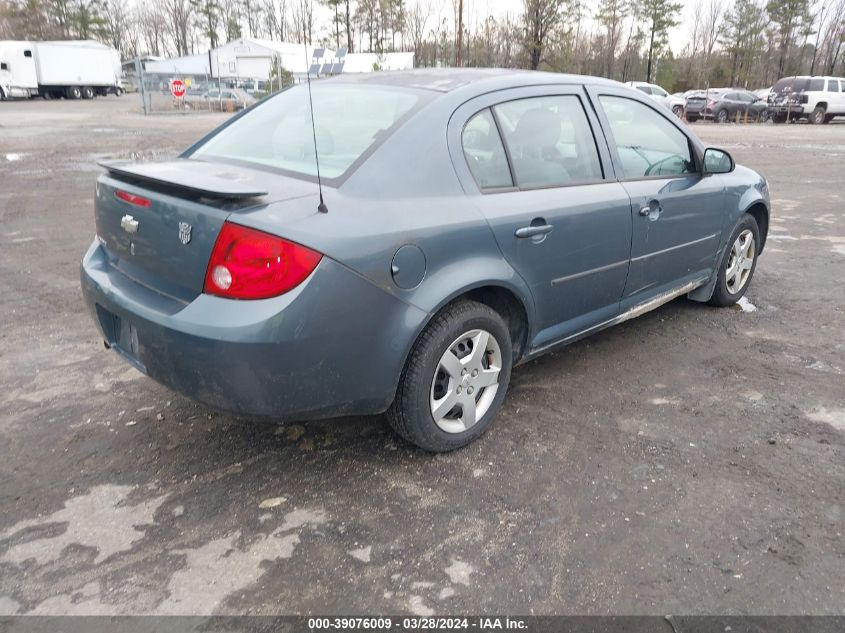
<point x="738" y="263"/>
<point x="455" y="378"/>
<point x="679" y="111"/>
<point x="722" y="116"/>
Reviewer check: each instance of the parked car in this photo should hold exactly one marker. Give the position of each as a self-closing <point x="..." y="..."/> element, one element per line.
<point x="227" y="99"/>
<point x="674" y="103"/>
<point x="468" y="220"/>
<point x="696" y="101"/>
<point x="732" y="104"/>
<point x="817" y="99"/>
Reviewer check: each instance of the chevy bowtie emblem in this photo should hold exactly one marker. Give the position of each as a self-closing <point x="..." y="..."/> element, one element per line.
<point x="184" y="232"/>
<point x="129" y="224"/>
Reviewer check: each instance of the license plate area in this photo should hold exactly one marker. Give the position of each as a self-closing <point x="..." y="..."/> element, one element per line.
<point x="121" y="335"/>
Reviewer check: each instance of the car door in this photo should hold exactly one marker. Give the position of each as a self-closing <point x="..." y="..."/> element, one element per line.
<point x="677" y="211"/>
<point x="836" y="88"/>
<point x="535" y="162"/>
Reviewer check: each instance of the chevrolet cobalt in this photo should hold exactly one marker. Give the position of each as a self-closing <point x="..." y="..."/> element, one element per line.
<point x="463" y="221"/>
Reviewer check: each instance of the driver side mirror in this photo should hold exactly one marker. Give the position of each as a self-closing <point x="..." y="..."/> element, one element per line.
<point x="717" y="161"/>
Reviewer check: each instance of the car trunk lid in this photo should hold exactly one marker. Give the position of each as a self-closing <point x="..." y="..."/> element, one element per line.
<point x="158" y="221"/>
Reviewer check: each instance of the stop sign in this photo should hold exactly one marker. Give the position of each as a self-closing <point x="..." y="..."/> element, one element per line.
<point x="177" y="88"/>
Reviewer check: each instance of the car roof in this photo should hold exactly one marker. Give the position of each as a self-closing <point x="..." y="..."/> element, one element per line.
<point x="450" y="79"/>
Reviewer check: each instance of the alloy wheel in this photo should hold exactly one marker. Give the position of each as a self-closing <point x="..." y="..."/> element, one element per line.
<point x="740" y="262"/>
<point x="466" y="381"/>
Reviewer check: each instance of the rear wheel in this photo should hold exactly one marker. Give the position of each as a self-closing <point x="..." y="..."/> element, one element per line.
<point x="73" y="92"/>
<point x="818" y="116"/>
<point x="763" y="116"/>
<point x="678" y="110"/>
<point x="87" y="92"/>
<point x="738" y="263"/>
<point x="455" y="378"/>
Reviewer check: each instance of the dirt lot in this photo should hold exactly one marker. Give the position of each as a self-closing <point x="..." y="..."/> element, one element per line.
<point x="690" y="461"/>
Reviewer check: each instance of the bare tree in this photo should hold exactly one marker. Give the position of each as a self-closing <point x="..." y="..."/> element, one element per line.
<point x="153" y="27"/>
<point x="416" y="23"/>
<point x="178" y="18"/>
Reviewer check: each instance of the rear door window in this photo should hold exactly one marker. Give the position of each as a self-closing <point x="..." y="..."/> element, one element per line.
<point x="815" y="85"/>
<point x="485" y="153"/>
<point x="549" y="141"/>
<point x="648" y="144"/>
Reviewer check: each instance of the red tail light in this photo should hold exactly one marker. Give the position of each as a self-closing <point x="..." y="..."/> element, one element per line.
<point x="250" y="264"/>
<point x="711" y="103"/>
<point x="131" y="198"/>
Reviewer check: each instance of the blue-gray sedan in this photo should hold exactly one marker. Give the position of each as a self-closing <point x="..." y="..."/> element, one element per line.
<point x="469" y="220"/>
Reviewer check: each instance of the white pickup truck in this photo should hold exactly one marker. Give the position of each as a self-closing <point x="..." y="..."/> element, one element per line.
<point x="817" y="99"/>
<point x="72" y="69"/>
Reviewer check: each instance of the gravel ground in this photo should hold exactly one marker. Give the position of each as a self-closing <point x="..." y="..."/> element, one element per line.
<point x="689" y="461"/>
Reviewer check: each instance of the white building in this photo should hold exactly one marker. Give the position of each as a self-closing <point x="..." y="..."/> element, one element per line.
<point x="187" y="65"/>
<point x="248" y="58"/>
<point x="252" y="59"/>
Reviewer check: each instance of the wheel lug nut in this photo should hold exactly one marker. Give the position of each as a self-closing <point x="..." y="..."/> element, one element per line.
<point x="459" y="389"/>
<point x="469" y="390"/>
<point x="463" y="372"/>
<point x="474" y="373"/>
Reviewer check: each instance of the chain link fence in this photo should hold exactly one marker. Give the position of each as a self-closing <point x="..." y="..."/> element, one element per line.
<point x="187" y="93"/>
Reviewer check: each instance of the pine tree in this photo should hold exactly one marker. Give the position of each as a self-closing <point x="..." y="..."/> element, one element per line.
<point x="660" y="16"/>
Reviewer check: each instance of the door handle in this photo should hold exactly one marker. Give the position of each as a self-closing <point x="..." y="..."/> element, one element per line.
<point x="534" y="231"/>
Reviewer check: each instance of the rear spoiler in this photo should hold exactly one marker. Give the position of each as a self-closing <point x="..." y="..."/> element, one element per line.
<point x="210" y="180"/>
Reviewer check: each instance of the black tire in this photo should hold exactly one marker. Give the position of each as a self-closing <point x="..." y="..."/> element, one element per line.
<point x="2" y="95"/>
<point x="721" y="116"/>
<point x="721" y="295"/>
<point x="829" y="118"/>
<point x="817" y="116"/>
<point x="410" y="414"/>
<point x="87" y="92"/>
<point x="47" y="95"/>
<point x="763" y="116"/>
<point x="73" y="92"/>
<point x="679" y="111"/>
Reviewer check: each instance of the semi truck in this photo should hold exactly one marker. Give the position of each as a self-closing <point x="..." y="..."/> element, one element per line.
<point x="73" y="69"/>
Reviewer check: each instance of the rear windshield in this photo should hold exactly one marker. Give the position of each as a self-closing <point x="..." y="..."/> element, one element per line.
<point x="791" y="84"/>
<point x="351" y="119"/>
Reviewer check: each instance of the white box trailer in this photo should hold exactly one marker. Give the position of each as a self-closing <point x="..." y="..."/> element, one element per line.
<point x="73" y="69"/>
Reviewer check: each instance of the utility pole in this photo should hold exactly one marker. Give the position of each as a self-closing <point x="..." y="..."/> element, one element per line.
<point x="459" y="56"/>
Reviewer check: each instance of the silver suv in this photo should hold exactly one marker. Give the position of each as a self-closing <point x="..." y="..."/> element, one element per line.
<point x="817" y="99"/>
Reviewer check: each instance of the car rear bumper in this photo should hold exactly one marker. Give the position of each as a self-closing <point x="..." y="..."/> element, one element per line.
<point x="333" y="346"/>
